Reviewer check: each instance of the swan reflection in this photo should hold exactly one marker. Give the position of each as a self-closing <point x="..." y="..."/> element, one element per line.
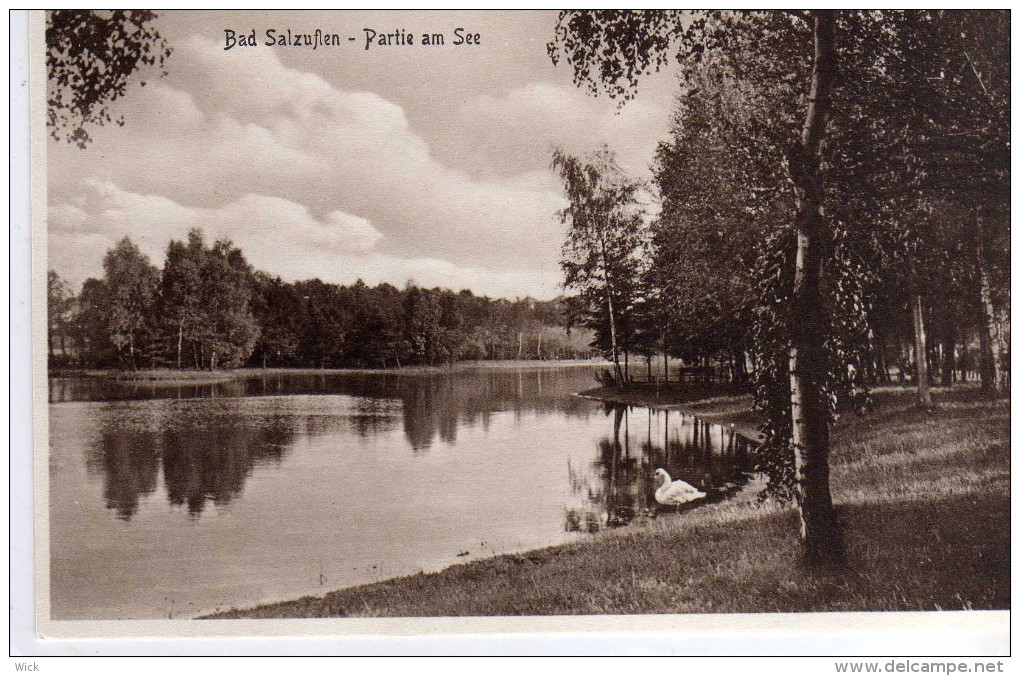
<point x="620" y="486"/>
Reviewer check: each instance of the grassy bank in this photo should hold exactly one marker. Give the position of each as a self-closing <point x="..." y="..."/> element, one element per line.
<point x="923" y="497"/>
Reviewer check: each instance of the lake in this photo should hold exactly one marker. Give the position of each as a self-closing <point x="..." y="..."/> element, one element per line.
<point x="167" y="501"/>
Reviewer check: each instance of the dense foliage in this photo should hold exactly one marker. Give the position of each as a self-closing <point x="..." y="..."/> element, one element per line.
<point x="209" y="308"/>
<point x="915" y="202"/>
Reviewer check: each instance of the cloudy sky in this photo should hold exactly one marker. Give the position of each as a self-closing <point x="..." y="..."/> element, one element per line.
<point x="390" y="164"/>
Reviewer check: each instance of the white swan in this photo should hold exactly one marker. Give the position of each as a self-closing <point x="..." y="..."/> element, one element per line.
<point x="674" y="492"/>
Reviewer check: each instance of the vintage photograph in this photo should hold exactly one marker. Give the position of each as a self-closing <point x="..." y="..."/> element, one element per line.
<point x="443" y="314"/>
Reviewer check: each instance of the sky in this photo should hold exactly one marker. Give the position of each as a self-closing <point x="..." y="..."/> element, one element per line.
<point x="390" y="164"/>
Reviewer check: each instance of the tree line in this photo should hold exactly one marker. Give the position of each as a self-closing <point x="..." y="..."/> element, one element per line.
<point x="834" y="199"/>
<point x="208" y="308"/>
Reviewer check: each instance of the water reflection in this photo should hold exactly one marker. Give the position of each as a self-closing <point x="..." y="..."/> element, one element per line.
<point x="206" y="452"/>
<point x="433" y="404"/>
<point x="204" y="457"/>
<point x="301" y="482"/>
<point x="211" y="464"/>
<point x="617" y="488"/>
<point x="128" y="465"/>
<point x="207" y="446"/>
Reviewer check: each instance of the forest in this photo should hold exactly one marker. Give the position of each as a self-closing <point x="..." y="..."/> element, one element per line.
<point x="835" y="190"/>
<point x="207" y="308"/>
<point x="915" y="247"/>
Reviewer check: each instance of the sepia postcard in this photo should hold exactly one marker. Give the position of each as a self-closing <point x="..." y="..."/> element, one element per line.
<point x="417" y="323"/>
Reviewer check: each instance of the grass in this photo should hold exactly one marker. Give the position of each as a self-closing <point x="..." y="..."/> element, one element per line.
<point x="922" y="495"/>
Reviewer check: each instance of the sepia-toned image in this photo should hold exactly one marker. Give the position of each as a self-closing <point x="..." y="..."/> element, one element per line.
<point x="516" y="314"/>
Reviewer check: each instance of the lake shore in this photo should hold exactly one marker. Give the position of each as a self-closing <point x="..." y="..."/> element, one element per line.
<point x="724" y="404"/>
<point x="150" y="376"/>
<point x="922" y="496"/>
<point x="196" y="377"/>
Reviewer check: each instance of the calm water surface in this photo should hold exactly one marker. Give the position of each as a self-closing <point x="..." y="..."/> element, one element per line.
<point x="167" y="502"/>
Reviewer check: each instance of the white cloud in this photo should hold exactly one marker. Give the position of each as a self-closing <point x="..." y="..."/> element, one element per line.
<point x="275" y="234"/>
<point x="522" y="126"/>
<point x="314" y="180"/>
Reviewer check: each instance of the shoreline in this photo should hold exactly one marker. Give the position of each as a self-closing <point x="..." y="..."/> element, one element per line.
<point x="719" y="404"/>
<point x="474" y="568"/>
<point x="196" y="377"/>
<point x="914" y="489"/>
<point x="710" y="406"/>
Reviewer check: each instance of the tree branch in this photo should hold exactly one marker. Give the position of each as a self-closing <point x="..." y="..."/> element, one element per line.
<point x="799" y="13"/>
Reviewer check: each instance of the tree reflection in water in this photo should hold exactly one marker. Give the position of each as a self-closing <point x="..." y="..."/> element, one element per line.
<point x="211" y="464"/>
<point x="617" y="488"/>
<point x="129" y="465"/>
<point x="207" y="447"/>
<point x="204" y="458"/>
<point x="434" y="404"/>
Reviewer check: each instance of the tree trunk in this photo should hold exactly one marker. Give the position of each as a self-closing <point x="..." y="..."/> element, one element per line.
<point x="963" y="364"/>
<point x="665" y="360"/>
<point x="612" y="337"/>
<point x="180" y="341"/>
<point x="739" y="367"/>
<point x="886" y="378"/>
<point x="626" y="364"/>
<point x="990" y="359"/>
<point x="934" y="359"/>
<point x="820" y="533"/>
<point x="881" y="370"/>
<point x="612" y="315"/>
<point x="920" y="354"/>
<point x="902" y="362"/>
<point x="520" y="344"/>
<point x="212" y="360"/>
<point x="131" y="350"/>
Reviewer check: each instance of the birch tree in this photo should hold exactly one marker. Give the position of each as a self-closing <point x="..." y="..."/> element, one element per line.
<point x="609" y="51"/>
<point x="604" y="235"/>
<point x="131" y="284"/>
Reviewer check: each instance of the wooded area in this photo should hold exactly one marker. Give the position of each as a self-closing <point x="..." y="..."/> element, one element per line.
<point x="834" y="190"/>
<point x="917" y="168"/>
<point x="208" y="308"/>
